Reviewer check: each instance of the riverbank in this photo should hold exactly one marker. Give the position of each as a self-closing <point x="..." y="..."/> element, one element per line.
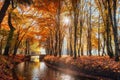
<point x="7" y="64"/>
<point x="94" y="67"/>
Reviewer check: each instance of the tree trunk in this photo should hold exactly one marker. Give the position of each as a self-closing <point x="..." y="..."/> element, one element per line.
<point x="75" y="9"/>
<point x="108" y="41"/>
<point x="58" y="27"/>
<point x="99" y="37"/>
<point x="70" y="41"/>
<point x="10" y="36"/>
<point x="28" y="47"/>
<point x="4" y="9"/>
<point x="82" y="49"/>
<point x="27" y="50"/>
<point x="81" y="25"/>
<point x="115" y="30"/>
<point x="89" y="34"/>
<point x="16" y="44"/>
<point x="1" y="46"/>
<point x="56" y="42"/>
<point x="103" y="47"/>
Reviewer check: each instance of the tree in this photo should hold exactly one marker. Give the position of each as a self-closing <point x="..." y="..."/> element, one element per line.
<point x="110" y="22"/>
<point x="99" y="36"/>
<point x="10" y="36"/>
<point x="2" y="13"/>
<point x="103" y="9"/>
<point x="76" y="14"/>
<point x="3" y="34"/>
<point x="13" y="3"/>
<point x="82" y="7"/>
<point x="114" y="26"/>
<point x="4" y="9"/>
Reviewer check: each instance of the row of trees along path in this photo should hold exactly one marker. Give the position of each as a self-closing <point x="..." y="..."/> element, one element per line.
<point x="92" y="24"/>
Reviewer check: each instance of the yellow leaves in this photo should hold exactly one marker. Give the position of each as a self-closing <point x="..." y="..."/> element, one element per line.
<point x="16" y="17"/>
<point x="106" y="67"/>
<point x="52" y="7"/>
<point x="94" y="41"/>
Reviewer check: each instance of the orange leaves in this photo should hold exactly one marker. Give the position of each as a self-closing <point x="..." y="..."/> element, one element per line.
<point x="46" y="5"/>
<point x="43" y="13"/>
<point x="5" y="72"/>
<point x="6" y="66"/>
<point x="52" y="8"/>
<point x="5" y="26"/>
<point x="103" y="64"/>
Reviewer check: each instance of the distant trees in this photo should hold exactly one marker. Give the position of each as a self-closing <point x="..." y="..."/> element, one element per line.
<point x="75" y="14"/>
<point x="85" y="17"/>
<point x="108" y="9"/>
<point x="92" y="30"/>
<point x="108" y="14"/>
<point x="114" y="27"/>
<point x="89" y="25"/>
<point x="56" y="33"/>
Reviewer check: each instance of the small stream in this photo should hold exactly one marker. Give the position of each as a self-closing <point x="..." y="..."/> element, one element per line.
<point x="39" y="71"/>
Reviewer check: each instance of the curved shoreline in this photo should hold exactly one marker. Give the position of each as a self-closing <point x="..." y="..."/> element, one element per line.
<point x="75" y="73"/>
<point x="85" y="67"/>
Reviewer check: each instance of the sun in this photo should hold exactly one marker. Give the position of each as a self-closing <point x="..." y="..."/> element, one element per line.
<point x="66" y="20"/>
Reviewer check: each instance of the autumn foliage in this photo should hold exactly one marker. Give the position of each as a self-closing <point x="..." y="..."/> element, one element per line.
<point x="7" y="64"/>
<point x="94" y="65"/>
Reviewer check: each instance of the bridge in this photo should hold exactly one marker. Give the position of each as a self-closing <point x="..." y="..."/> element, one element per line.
<point x="32" y="57"/>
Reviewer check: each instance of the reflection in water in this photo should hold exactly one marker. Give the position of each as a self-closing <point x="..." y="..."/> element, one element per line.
<point x="39" y="71"/>
<point x="34" y="58"/>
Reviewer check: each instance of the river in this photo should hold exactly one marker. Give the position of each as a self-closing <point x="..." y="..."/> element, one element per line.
<point x="39" y="71"/>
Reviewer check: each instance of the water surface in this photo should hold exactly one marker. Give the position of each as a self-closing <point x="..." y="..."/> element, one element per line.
<point x="39" y="71"/>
